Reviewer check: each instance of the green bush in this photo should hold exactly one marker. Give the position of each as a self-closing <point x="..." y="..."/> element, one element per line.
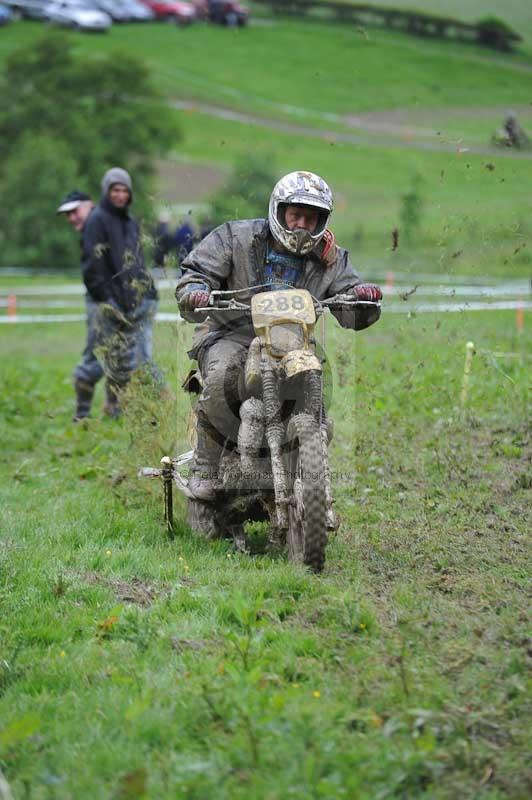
<point x="35" y="178"/>
<point x="494" y="32"/>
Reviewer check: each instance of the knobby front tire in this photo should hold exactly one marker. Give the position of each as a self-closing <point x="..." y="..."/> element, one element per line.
<point x="307" y="531"/>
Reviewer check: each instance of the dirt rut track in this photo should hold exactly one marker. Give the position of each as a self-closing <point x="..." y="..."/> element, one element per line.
<point x="395" y="128"/>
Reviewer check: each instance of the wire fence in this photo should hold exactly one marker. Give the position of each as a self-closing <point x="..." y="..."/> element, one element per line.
<point x="401" y="297"/>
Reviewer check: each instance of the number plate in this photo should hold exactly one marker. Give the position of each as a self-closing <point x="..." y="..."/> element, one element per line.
<point x="291" y="305"/>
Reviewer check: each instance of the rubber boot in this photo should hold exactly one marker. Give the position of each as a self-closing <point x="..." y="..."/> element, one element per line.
<point x="204" y="480"/>
<point x="84" y="394"/>
<point x="111" y="406"/>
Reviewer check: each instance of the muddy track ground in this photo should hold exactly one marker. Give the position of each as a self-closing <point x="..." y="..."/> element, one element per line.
<point x="396" y="128"/>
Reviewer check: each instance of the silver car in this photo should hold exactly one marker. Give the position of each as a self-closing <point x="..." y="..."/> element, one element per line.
<point x="137" y="10"/>
<point x="115" y="9"/>
<point x="77" y="15"/>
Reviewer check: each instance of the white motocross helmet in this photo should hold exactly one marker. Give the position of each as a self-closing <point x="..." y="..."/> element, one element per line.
<point x="304" y="189"/>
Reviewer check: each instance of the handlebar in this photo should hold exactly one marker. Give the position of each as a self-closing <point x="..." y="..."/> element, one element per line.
<point x="346" y="300"/>
<point x="218" y="301"/>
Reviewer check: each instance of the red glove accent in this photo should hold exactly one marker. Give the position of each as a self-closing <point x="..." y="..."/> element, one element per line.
<point x="192" y="300"/>
<point x="328" y="252"/>
<point x="367" y="291"/>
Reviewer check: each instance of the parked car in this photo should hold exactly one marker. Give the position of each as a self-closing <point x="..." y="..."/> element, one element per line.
<point x="27" y="9"/>
<point x="222" y="12"/>
<point x="6" y="15"/>
<point x="116" y="10"/>
<point x="137" y="11"/>
<point x="172" y="11"/>
<point x="78" y="15"/>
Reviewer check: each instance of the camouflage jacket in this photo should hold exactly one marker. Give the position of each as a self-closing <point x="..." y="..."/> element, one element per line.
<point x="233" y="257"/>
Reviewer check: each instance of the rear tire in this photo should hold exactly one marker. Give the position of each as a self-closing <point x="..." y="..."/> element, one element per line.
<point x="307" y="521"/>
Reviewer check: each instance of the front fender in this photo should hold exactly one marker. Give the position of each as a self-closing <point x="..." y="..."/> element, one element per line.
<point x="300" y="361"/>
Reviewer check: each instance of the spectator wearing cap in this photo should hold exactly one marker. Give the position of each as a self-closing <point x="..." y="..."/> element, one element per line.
<point x="76" y="208"/>
<point x="117" y="280"/>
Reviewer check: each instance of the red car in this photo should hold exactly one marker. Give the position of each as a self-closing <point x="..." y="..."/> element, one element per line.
<point x="172" y="11"/>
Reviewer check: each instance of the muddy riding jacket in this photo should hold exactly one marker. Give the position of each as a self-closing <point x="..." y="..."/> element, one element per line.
<point x="240" y="255"/>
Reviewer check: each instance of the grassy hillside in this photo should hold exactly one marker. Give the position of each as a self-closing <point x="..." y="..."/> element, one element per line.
<point x="337" y="70"/>
<point x="468" y="206"/>
<point x="374" y="115"/>
<point x="516" y="13"/>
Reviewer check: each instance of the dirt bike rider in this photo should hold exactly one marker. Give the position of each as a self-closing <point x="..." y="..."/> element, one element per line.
<point x="292" y="248"/>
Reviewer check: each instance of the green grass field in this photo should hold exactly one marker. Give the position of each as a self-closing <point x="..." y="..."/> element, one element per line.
<point x="338" y="70"/>
<point x="135" y="666"/>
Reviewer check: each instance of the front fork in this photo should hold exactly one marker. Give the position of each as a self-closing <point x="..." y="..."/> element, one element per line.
<point x="314" y="403"/>
<point x="274" y="437"/>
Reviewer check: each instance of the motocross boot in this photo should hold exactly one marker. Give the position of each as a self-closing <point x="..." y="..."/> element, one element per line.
<point x="84" y="394"/>
<point x="204" y="478"/>
<point x="111" y="406"/>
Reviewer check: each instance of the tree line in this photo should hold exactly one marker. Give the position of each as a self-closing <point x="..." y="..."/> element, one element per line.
<point x="65" y="119"/>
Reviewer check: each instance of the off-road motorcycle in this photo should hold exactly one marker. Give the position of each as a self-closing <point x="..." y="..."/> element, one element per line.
<point x="278" y="471"/>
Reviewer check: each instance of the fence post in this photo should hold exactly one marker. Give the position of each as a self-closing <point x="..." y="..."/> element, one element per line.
<point x="168" y="480"/>
<point x="520" y="315"/>
<point x="470" y="350"/>
<point x="11" y="305"/>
